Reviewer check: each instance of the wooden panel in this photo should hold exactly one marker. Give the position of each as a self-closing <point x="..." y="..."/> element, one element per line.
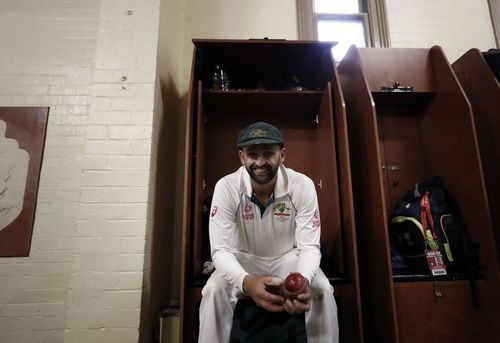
<point x="348" y="312"/>
<point x="199" y="161"/>
<point x="449" y="120"/>
<point x="371" y="219"/>
<point x="192" y="320"/>
<point x="25" y="131"/>
<point x="452" y="317"/>
<point x="483" y="91"/>
<point x="185" y="314"/>
<point x="354" y="322"/>
<point x="324" y="175"/>
<point x="401" y="147"/>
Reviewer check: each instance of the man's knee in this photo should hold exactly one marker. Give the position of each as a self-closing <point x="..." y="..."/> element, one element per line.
<point x="321" y="288"/>
<point x="215" y="287"/>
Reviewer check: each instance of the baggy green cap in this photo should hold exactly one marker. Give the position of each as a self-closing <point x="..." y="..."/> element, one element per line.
<point x="259" y="133"/>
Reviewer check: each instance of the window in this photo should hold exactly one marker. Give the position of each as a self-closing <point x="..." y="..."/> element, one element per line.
<point x="359" y="22"/>
<point x="495" y="18"/>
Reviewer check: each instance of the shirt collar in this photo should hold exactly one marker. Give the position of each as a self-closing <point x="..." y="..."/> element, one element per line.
<point x="280" y="188"/>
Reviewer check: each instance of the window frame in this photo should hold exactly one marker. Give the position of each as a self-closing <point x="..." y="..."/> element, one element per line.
<point x="372" y="12"/>
<point x="341" y="17"/>
<point x="494" y="6"/>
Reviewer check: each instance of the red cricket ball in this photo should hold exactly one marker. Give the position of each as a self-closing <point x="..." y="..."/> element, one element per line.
<point x="294" y="285"/>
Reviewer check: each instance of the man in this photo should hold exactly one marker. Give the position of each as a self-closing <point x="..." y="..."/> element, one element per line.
<point x="264" y="224"/>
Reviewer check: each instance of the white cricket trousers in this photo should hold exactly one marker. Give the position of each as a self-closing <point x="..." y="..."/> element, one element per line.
<point x="220" y="298"/>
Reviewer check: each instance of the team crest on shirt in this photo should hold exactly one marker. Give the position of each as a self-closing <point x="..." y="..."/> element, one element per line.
<point x="248" y="212"/>
<point x="281" y="212"/>
<point x="316" y="221"/>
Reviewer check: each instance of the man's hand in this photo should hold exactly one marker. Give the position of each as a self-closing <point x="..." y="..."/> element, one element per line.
<point x="301" y="303"/>
<point x="256" y="288"/>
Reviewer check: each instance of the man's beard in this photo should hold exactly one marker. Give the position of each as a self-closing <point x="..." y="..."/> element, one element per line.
<point x="266" y="177"/>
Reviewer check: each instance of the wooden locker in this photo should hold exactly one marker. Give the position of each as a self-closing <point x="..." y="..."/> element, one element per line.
<point x="483" y="91"/>
<point x="294" y="86"/>
<point x="397" y="139"/>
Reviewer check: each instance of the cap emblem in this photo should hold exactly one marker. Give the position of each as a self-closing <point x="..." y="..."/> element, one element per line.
<point x="257" y="133"/>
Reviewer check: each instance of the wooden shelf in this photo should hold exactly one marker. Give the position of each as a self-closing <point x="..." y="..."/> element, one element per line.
<point x="300" y="104"/>
<point x="402" y="99"/>
<point x="264" y="92"/>
<point x="429" y="277"/>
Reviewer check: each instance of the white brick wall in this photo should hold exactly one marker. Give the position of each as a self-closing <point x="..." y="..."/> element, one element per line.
<point x="455" y="25"/>
<point x="93" y="63"/>
<point x="110" y="240"/>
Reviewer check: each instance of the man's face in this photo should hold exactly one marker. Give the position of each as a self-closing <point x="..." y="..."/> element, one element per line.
<point x="262" y="161"/>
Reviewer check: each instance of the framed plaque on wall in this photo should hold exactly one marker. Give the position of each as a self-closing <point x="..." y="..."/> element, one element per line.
<point x="22" y="139"/>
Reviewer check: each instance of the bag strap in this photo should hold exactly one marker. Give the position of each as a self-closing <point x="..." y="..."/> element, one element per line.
<point x="431" y="238"/>
<point x="425" y="212"/>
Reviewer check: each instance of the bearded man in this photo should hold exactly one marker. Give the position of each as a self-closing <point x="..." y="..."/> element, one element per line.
<point x="264" y="225"/>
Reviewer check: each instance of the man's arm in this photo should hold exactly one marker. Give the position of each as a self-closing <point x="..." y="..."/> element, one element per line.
<point x="307" y="236"/>
<point x="308" y="230"/>
<point x="224" y="236"/>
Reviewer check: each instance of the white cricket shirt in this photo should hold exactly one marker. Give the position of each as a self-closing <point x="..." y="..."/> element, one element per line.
<point x="292" y="221"/>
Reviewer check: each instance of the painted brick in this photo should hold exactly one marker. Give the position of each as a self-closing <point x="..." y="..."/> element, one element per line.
<point x="8" y="324"/>
<point x="127" y="162"/>
<point x="54" y="243"/>
<point x="92" y="212"/>
<point x="30" y="310"/>
<point x="90" y="162"/>
<point x="42" y="323"/>
<point x="134" y="211"/>
<point x="140" y="148"/>
<point x="37" y="282"/>
<point x="121" y="318"/>
<point x="121" y="335"/>
<point x="106" y="262"/>
<point x="122" y="299"/>
<point x="114" y="194"/>
<point x="110" y="117"/>
<point x="113" y="228"/>
<point x="115" y="178"/>
<point x="41" y="336"/>
<point x="103" y="76"/>
<point x="129" y="132"/>
<point x="105" y="147"/>
<point x="97" y="132"/>
<point x="142" y="117"/>
<point x="15" y="296"/>
<point x="50" y="256"/>
<point x="109" y="245"/>
<point x="107" y="280"/>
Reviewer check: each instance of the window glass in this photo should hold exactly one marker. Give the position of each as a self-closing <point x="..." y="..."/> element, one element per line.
<point x="345" y="32"/>
<point x="336" y="6"/>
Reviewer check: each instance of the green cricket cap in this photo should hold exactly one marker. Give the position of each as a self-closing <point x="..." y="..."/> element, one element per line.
<point x="259" y="133"/>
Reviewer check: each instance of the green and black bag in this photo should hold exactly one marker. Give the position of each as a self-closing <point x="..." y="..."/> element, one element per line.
<point x="413" y="230"/>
